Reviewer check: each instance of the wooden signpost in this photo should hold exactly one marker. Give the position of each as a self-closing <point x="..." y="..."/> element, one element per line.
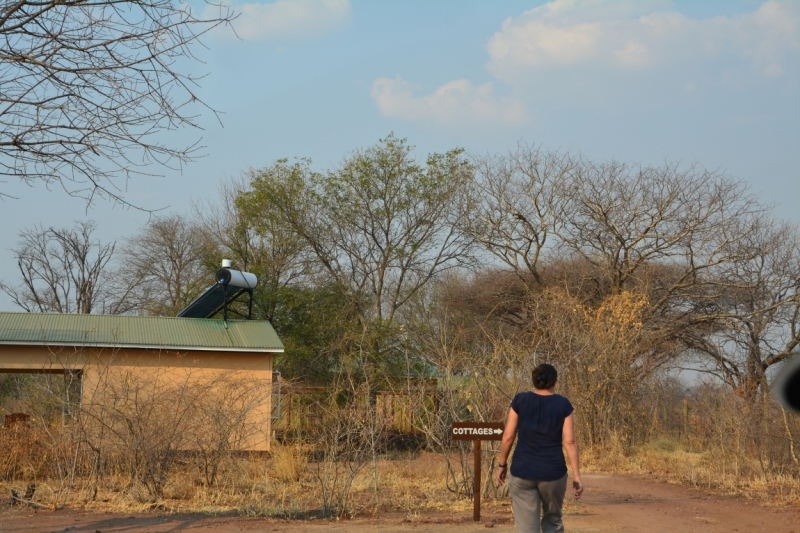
<point x="476" y="432"/>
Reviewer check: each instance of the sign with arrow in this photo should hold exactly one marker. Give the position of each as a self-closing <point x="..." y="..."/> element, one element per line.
<point x="477" y="431"/>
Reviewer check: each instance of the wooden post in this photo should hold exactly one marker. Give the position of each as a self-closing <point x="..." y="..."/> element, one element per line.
<point x="767" y="439"/>
<point x="476" y="487"/>
<point x="686" y="419"/>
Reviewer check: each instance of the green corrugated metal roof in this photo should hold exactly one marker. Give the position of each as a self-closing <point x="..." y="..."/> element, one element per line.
<point x="123" y="331"/>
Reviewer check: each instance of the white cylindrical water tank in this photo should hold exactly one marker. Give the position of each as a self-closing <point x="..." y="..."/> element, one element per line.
<point x="236" y="278"/>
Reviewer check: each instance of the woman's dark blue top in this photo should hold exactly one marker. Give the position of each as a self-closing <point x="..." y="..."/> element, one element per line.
<point x="541" y="420"/>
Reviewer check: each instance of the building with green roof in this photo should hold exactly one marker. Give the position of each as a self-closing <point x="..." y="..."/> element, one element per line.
<point x="160" y="352"/>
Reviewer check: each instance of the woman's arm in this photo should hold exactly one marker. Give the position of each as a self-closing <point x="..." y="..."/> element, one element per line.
<point x="509" y="434"/>
<point x="571" y="446"/>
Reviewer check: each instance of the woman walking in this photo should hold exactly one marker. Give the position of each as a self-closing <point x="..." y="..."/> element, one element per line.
<point x="544" y="422"/>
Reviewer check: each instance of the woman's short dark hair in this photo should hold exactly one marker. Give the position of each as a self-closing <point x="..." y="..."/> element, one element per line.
<point x="544" y="376"/>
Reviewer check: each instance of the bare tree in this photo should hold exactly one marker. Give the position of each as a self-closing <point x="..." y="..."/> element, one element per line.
<point x="756" y="311"/>
<point x="63" y="271"/>
<point x="86" y="86"/>
<point x="663" y="231"/>
<point x="519" y="206"/>
<point x="617" y="217"/>
<point x="624" y="218"/>
<point x="161" y="268"/>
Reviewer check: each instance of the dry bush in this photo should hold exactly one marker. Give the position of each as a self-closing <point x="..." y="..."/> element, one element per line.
<point x="133" y="432"/>
<point x="140" y="426"/>
<point x="456" y="398"/>
<point x="223" y="418"/>
<point x="597" y="351"/>
<point x="132" y="453"/>
<point x="601" y="377"/>
<point x="728" y="474"/>
<point x="166" y="443"/>
<point x="344" y="440"/>
<point x="25" y="455"/>
<point x="474" y="399"/>
<point x="409" y="483"/>
<point x="143" y="425"/>
<point x="288" y="462"/>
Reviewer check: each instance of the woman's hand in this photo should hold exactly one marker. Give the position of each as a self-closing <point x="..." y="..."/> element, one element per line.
<point x="501" y="474"/>
<point x="509" y="434"/>
<point x="571" y="447"/>
<point x="577" y="487"/>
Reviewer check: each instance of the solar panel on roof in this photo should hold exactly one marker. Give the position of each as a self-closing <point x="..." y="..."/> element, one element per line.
<point x="230" y="285"/>
<point x="210" y="302"/>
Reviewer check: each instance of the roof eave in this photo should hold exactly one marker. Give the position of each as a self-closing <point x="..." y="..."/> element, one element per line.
<point x="144" y="347"/>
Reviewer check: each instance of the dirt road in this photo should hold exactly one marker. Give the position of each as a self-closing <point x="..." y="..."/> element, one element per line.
<point x="610" y="504"/>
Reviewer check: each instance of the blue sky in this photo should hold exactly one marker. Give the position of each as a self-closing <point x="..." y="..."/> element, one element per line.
<point x="709" y="82"/>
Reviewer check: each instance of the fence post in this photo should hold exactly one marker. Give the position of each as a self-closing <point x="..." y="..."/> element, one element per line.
<point x="767" y="439"/>
<point x="686" y="420"/>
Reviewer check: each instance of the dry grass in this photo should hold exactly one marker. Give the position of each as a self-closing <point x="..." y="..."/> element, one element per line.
<point x="411" y="484"/>
<point x="288" y="462"/>
<point x="711" y="469"/>
<point x="22" y="455"/>
<point x="266" y="486"/>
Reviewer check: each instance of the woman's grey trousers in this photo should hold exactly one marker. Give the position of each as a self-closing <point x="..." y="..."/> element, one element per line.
<point x="537" y="504"/>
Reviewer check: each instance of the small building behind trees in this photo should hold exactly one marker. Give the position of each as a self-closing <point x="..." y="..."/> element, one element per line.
<point x="210" y="378"/>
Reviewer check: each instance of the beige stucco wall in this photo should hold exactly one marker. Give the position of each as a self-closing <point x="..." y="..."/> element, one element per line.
<point x="239" y="381"/>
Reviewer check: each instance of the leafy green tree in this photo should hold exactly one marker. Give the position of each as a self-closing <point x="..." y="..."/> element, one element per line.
<point x="308" y="312"/>
<point x="380" y="227"/>
<point x="256" y="241"/>
<point x="318" y="328"/>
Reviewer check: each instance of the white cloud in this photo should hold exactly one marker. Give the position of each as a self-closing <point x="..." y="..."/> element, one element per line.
<point x="456" y="102"/>
<point x="596" y="53"/>
<point x="623" y="36"/>
<point x="289" y="19"/>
